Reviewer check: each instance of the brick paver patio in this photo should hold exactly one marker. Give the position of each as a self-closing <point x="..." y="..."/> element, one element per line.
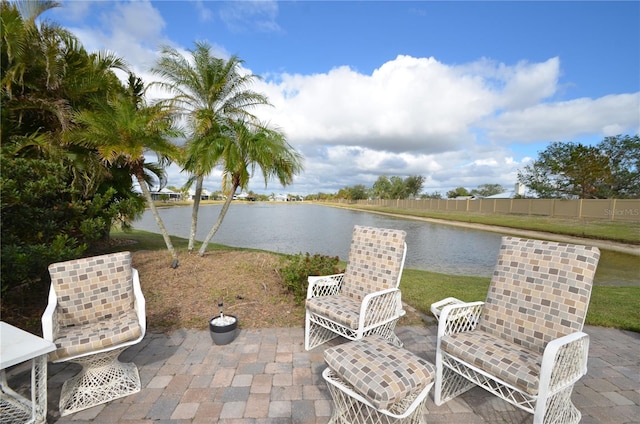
<point x="265" y="376"/>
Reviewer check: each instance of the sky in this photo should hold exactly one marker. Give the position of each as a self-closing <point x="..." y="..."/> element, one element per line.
<point x="461" y="93"/>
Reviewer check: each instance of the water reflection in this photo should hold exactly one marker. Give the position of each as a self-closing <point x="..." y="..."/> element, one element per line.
<point x="301" y="227"/>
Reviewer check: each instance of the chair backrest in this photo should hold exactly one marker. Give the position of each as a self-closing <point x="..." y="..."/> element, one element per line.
<point x="539" y="291"/>
<point x="376" y="259"/>
<point x="94" y="288"/>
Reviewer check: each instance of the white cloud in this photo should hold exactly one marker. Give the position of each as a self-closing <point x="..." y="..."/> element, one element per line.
<point x="606" y="116"/>
<point x="74" y="10"/>
<point x="408" y="104"/>
<point x="250" y="15"/>
<point x="204" y="13"/>
<point x="529" y="83"/>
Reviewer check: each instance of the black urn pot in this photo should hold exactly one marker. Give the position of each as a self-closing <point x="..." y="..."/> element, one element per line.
<point x="223" y="330"/>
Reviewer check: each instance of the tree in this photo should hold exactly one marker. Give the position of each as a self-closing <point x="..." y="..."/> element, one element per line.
<point x="434" y="195"/>
<point x="398" y="189"/>
<point x="624" y="162"/>
<point x="573" y="170"/>
<point x="121" y="130"/>
<point x="211" y="93"/>
<point x="458" y="192"/>
<point x="414" y="185"/>
<point x="358" y="192"/>
<point x="245" y="147"/>
<point x="381" y="188"/>
<point x="485" y="190"/>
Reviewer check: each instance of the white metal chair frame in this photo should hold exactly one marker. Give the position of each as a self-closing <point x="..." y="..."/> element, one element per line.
<point x="103" y="378"/>
<point x="351" y="407"/>
<point x="563" y="361"/>
<point x="379" y="311"/>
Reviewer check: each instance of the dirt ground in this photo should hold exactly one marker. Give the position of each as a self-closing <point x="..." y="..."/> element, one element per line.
<point x="246" y="282"/>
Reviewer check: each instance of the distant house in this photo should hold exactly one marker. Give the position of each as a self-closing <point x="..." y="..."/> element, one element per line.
<point x="518" y="191"/>
<point x="205" y="195"/>
<point x="166" y="194"/>
<point x="279" y="198"/>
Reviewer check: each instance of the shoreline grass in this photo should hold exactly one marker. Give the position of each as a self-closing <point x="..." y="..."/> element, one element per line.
<point x="610" y="306"/>
<point x="621" y="232"/>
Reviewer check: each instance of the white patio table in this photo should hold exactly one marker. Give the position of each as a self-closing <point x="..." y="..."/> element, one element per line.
<point x="17" y="346"/>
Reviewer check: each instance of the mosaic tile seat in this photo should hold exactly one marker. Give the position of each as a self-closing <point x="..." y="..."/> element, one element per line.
<point x="374" y="381"/>
<point x="365" y="299"/>
<point x="525" y="342"/>
<point x="96" y="310"/>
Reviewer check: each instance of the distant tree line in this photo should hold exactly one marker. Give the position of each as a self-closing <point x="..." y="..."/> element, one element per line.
<point x="384" y="188"/>
<point x="398" y="188"/>
<point x="610" y="169"/>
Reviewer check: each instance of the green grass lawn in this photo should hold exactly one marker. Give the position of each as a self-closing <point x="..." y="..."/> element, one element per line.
<point x="624" y="232"/>
<point x="616" y="307"/>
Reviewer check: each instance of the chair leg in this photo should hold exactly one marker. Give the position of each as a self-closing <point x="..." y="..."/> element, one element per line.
<point x="103" y="378"/>
<point x="315" y="334"/>
<point x="557" y="409"/>
<point x="449" y="385"/>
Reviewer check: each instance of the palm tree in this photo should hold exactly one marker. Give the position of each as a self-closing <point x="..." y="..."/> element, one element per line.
<point x="248" y="146"/>
<point x="210" y="92"/>
<point x="121" y="130"/>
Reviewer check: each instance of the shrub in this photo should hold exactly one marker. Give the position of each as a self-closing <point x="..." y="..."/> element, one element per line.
<point x="298" y="267"/>
<point x="44" y="219"/>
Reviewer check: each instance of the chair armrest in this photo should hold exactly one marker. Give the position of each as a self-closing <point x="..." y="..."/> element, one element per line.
<point x="459" y="318"/>
<point x="139" y="301"/>
<point x="324" y="285"/>
<point x="564" y="362"/>
<point x="49" y="319"/>
<point x="380" y="306"/>
<point x="436" y="308"/>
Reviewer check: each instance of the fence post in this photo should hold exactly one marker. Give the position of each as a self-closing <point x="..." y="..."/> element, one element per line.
<point x="612" y="211"/>
<point x="580" y="209"/>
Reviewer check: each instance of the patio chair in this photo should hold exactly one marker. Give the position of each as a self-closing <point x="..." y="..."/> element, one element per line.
<point x="525" y="342"/>
<point x="96" y="310"/>
<point x="365" y="299"/>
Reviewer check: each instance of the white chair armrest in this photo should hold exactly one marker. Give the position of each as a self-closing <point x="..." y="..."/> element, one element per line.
<point x="324" y="285"/>
<point x="383" y="305"/>
<point x="48" y="329"/>
<point x="139" y="301"/>
<point x="564" y="361"/>
<point x="436" y="307"/>
<point x="459" y="317"/>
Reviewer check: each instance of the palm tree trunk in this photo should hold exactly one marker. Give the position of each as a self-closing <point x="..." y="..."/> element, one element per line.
<point x="156" y="215"/>
<point x="215" y="227"/>
<point x="194" y="213"/>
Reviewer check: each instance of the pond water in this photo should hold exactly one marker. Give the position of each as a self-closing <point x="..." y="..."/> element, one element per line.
<point x="302" y="227"/>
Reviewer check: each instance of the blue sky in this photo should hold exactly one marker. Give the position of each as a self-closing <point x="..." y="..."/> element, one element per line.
<point x="463" y="93"/>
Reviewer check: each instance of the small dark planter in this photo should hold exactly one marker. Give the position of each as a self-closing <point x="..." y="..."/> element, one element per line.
<point x="223" y="334"/>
